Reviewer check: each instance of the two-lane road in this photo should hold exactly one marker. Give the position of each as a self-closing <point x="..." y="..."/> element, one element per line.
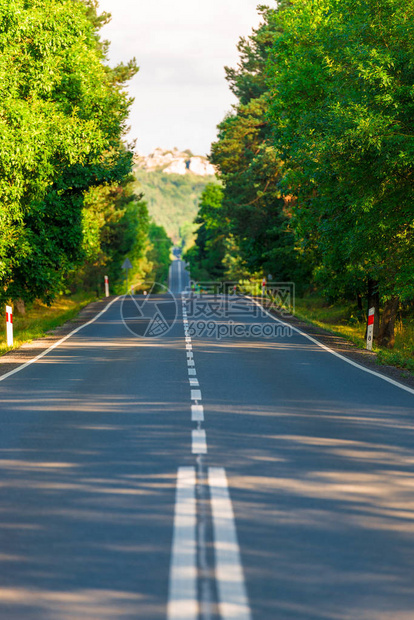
<point x="203" y="472"/>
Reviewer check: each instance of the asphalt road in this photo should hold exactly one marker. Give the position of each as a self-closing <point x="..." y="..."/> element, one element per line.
<point x="198" y="467"/>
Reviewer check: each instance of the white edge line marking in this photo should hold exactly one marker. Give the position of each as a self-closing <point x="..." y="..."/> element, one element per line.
<point x="233" y="601"/>
<point x="72" y="333"/>
<point x="199" y="442"/>
<point x="182" y="597"/>
<point x="341" y="357"/>
<point x="197" y="413"/>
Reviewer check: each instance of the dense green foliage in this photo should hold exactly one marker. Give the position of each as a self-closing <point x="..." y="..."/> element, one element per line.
<point x="116" y="224"/>
<point x="63" y="167"/>
<point x="159" y="253"/>
<point x="317" y="157"/>
<point x="207" y="254"/>
<point x="343" y="112"/>
<point x="172" y="200"/>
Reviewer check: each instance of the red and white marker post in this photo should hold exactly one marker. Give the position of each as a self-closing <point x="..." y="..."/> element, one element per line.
<point x="9" y="325"/>
<point x="370" y="330"/>
<point x="263" y="287"/>
<point x="106" y="286"/>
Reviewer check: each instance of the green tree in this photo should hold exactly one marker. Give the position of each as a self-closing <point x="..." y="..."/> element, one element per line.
<point x="62" y="114"/>
<point x="206" y="256"/>
<point x="342" y="109"/>
<point x="159" y="253"/>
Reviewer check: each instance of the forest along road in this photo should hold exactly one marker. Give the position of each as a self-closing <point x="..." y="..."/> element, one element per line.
<point x="183" y="457"/>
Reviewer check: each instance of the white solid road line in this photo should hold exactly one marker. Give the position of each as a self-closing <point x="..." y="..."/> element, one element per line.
<point x="195" y="394"/>
<point x="199" y="442"/>
<point x="345" y="359"/>
<point x="62" y="340"/>
<point x="183" y="598"/>
<point x="197" y="413"/>
<point x="233" y="602"/>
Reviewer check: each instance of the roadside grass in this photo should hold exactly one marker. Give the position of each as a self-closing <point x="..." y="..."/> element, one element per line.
<point x="343" y="320"/>
<point x="40" y="319"/>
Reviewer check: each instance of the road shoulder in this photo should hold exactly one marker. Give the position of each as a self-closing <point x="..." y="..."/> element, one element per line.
<point x="347" y="348"/>
<point x="11" y="360"/>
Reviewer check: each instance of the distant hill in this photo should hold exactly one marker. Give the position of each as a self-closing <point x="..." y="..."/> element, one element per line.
<point x="172" y="183"/>
<point x="175" y="162"/>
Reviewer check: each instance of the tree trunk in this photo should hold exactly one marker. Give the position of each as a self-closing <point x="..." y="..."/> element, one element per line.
<point x="386" y="336"/>
<point x="20" y="307"/>
<point x="373" y="302"/>
<point x="359" y="302"/>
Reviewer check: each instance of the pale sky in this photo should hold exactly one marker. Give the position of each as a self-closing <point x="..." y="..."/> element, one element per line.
<point x="181" y="47"/>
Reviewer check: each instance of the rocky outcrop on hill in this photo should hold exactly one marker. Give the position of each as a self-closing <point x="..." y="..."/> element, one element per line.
<point x="175" y="162"/>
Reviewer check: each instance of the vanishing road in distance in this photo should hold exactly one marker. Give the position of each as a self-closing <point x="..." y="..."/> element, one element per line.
<point x="188" y="457"/>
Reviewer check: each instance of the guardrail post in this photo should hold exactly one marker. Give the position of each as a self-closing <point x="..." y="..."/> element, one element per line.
<point x="9" y="325"/>
<point x="370" y="330"/>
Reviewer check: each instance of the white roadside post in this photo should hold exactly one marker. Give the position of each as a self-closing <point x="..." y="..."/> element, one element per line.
<point x="370" y="330"/>
<point x="106" y="286"/>
<point x="9" y="325"/>
<point x="263" y="287"/>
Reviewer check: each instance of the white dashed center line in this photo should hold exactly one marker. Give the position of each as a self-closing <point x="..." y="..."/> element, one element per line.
<point x="197" y="413"/>
<point x="199" y="443"/>
<point x="195" y="394"/>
